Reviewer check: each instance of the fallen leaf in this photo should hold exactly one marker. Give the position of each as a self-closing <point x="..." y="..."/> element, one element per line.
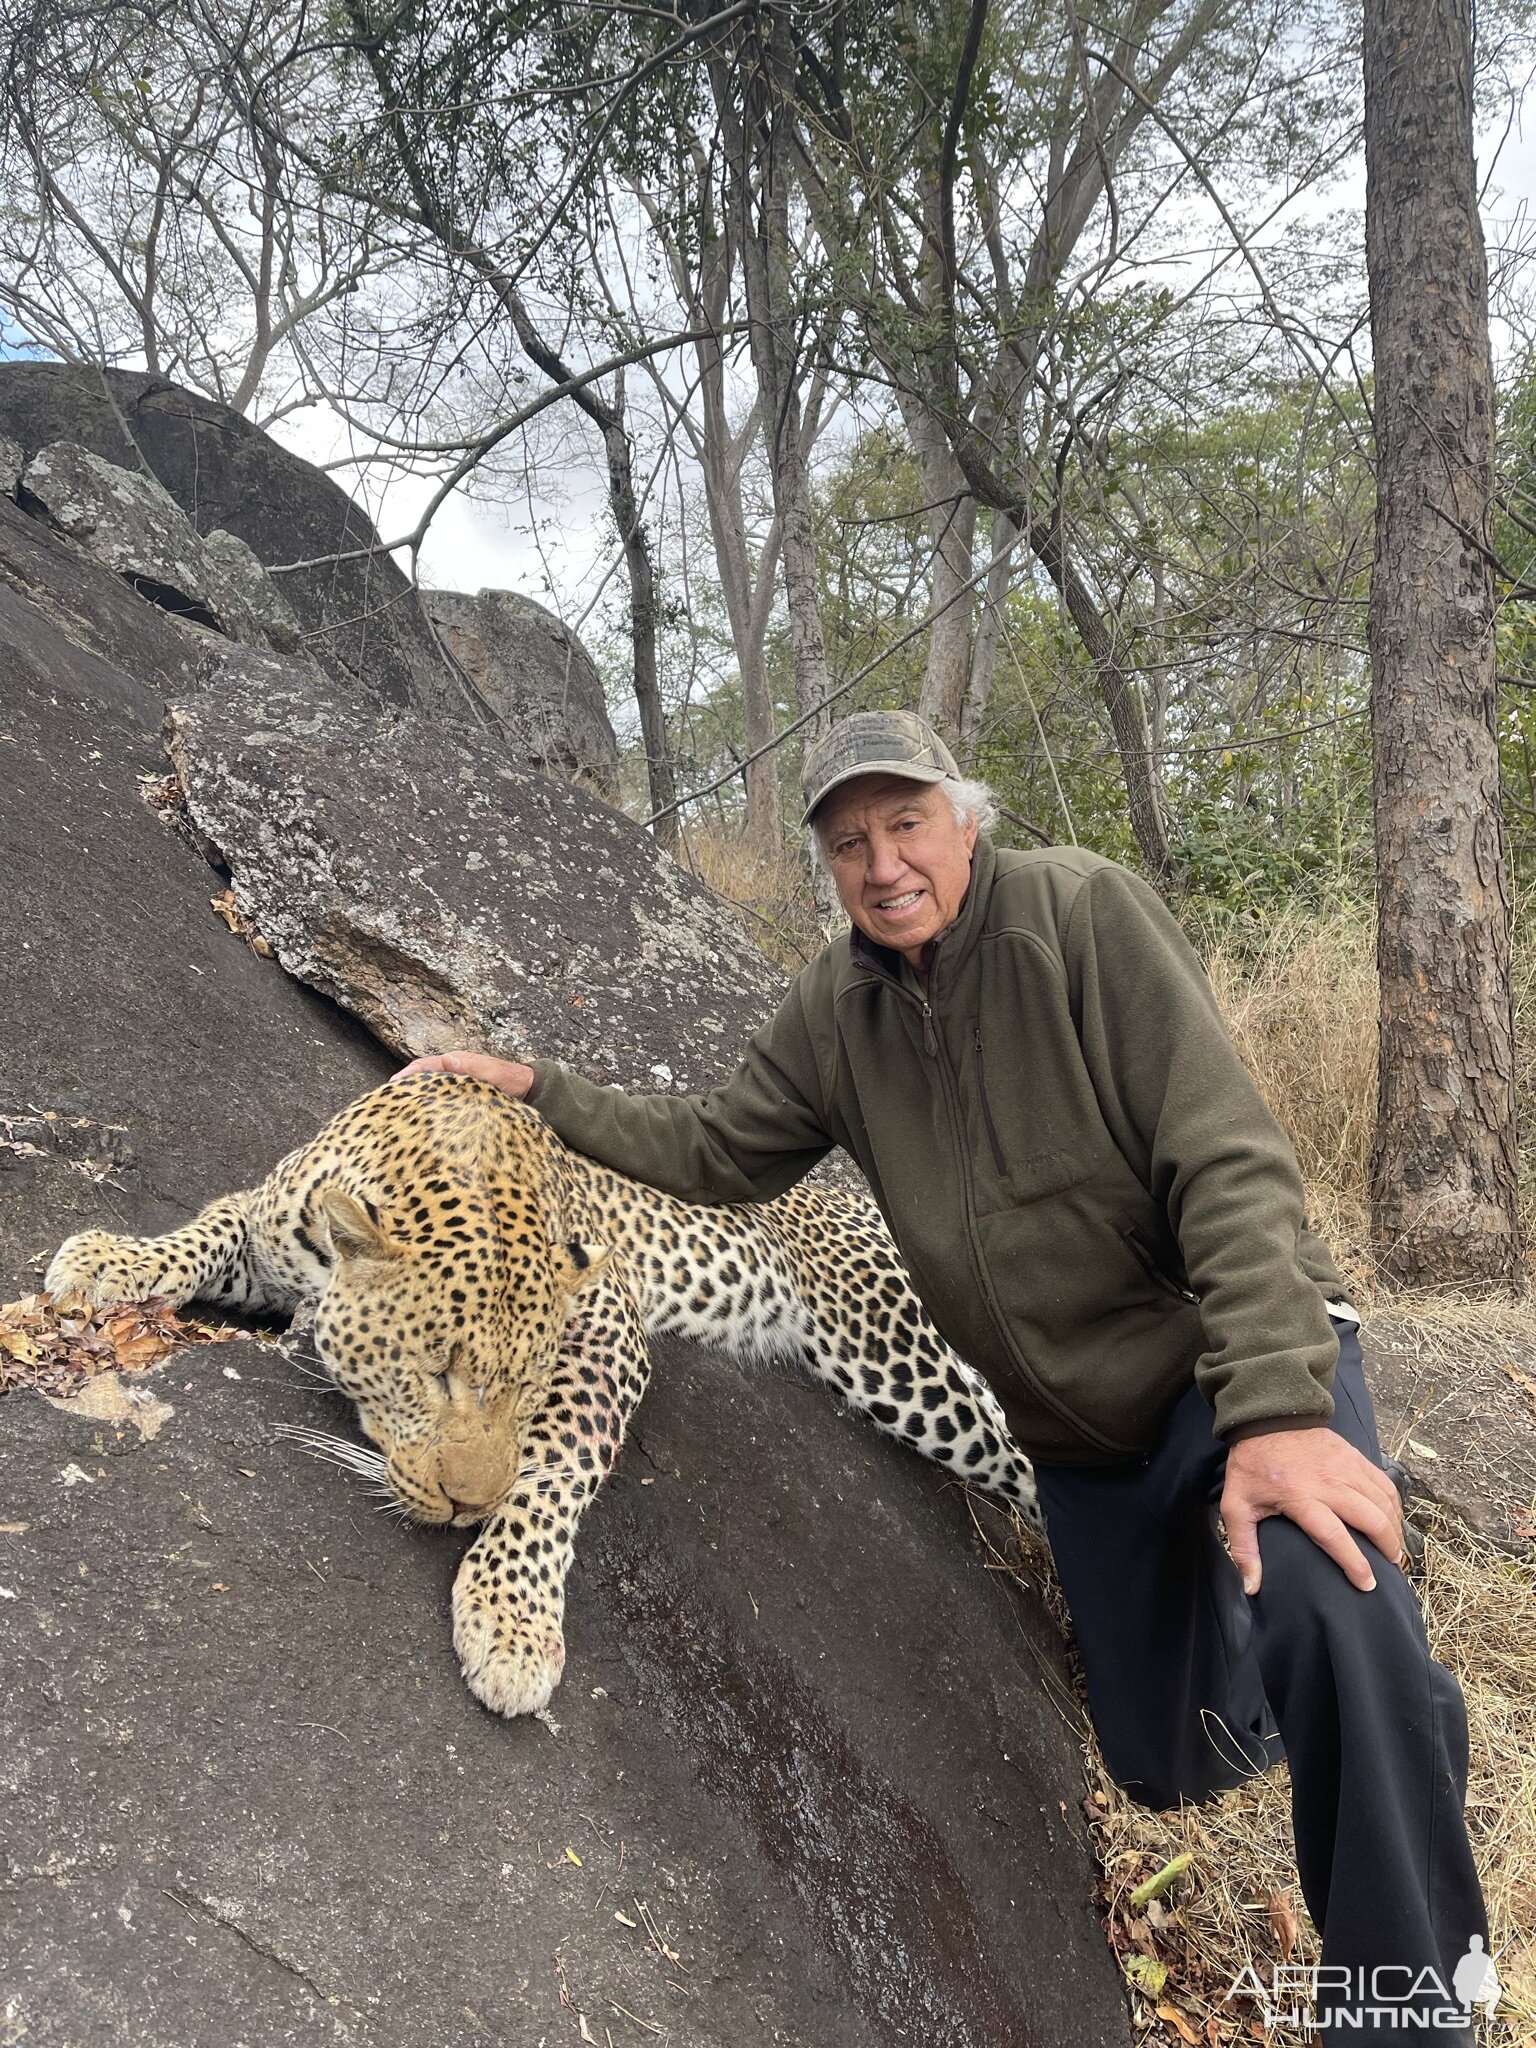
<point x="1147" y="1973"/>
<point x="1282" y="1924"/>
<point x="1177" y="2021"/>
<point x="1424" y="1450"/>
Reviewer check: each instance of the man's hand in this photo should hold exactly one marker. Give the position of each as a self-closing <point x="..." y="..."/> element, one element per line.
<point x="510" y="1075"/>
<point x="1321" y="1483"/>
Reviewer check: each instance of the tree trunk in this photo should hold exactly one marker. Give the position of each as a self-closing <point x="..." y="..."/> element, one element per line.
<point x="1118" y="690"/>
<point x="1443" y="1172"/>
<point x="988" y="633"/>
<point x="625" y="506"/>
<point x="746" y="601"/>
<point x="759" y="170"/>
<point x="952" y="529"/>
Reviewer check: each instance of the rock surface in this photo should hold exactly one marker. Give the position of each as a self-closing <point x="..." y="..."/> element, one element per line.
<point x="88" y="609"/>
<point x="409" y="871"/>
<point x="128" y="1014"/>
<point x="131" y="524"/>
<point x="538" y="679"/>
<point x="362" y="620"/>
<point x="250" y="1801"/>
<point x="814" y="1785"/>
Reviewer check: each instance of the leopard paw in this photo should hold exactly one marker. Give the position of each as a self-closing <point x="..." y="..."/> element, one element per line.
<point x="98" y="1267"/>
<point x="512" y="1667"/>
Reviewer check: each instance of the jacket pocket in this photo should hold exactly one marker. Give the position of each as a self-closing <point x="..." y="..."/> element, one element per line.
<point x="1146" y="1258"/>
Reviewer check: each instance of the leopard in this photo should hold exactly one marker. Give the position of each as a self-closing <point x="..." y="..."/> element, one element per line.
<point x="483" y="1295"/>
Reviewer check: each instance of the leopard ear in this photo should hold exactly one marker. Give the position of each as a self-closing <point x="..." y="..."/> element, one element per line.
<point x="353" y="1232"/>
<point x="579" y="1260"/>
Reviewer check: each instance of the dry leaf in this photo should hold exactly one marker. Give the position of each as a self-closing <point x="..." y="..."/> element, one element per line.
<point x="1283" y="1925"/>
<point x="1147" y="1973"/>
<point x="1177" y="2021"/>
<point x="55" y="1346"/>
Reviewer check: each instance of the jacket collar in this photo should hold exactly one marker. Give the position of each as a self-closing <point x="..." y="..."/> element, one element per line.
<point x="956" y="941"/>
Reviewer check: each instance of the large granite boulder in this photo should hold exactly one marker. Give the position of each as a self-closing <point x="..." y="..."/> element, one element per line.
<point x="148" y="1059"/>
<point x="129" y="523"/>
<point x="539" y="680"/>
<point x="804" y="1784"/>
<point x="361" y="619"/>
<point x="809" y="1785"/>
<point x="91" y="612"/>
<point x="409" y="871"/>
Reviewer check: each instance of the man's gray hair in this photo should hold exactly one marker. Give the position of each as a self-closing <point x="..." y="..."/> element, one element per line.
<point x="968" y="798"/>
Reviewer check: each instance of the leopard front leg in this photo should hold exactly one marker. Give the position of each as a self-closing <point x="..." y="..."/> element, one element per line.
<point x="205" y="1260"/>
<point x="509" y="1594"/>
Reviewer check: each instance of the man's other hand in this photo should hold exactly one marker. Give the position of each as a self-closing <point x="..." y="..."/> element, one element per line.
<point x="1324" y="1485"/>
<point x="510" y="1075"/>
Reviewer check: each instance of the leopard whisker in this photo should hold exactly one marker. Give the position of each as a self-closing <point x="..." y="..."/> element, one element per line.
<point x="335" y="1450"/>
<point x="312" y="1373"/>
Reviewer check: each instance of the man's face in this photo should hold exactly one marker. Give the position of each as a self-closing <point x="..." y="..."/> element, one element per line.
<point x="901" y="863"/>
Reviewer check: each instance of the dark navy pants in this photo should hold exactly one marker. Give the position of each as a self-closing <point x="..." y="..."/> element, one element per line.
<point x="1193" y="1687"/>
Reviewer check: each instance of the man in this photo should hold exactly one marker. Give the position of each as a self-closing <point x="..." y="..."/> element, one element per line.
<point x="1023" y="1054"/>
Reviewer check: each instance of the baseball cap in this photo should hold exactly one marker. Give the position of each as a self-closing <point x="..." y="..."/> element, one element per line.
<point x="874" y="743"/>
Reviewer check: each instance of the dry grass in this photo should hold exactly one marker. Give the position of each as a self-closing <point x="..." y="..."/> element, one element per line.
<point x="773" y="888"/>
<point x="1299" y="995"/>
<point x="1299" y="998"/>
<point x="1238" y="1905"/>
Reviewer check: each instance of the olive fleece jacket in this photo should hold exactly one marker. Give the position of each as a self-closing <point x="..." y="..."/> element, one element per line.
<point x="1093" y="1199"/>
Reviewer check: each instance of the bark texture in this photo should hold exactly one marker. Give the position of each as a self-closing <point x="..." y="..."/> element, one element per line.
<point x="1444" y="1167"/>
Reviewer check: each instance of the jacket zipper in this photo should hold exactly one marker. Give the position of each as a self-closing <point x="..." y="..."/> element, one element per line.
<point x="986" y="1107"/>
<point x="1144" y="1256"/>
<point x="930" y="1036"/>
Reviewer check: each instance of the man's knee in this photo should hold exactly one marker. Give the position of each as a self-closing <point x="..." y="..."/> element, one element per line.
<point x="1306" y="1609"/>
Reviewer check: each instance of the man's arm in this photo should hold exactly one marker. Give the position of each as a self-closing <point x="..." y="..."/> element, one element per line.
<point x="744" y="1141"/>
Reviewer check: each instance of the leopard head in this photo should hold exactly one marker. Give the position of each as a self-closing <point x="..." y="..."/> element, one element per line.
<point x="442" y="1320"/>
